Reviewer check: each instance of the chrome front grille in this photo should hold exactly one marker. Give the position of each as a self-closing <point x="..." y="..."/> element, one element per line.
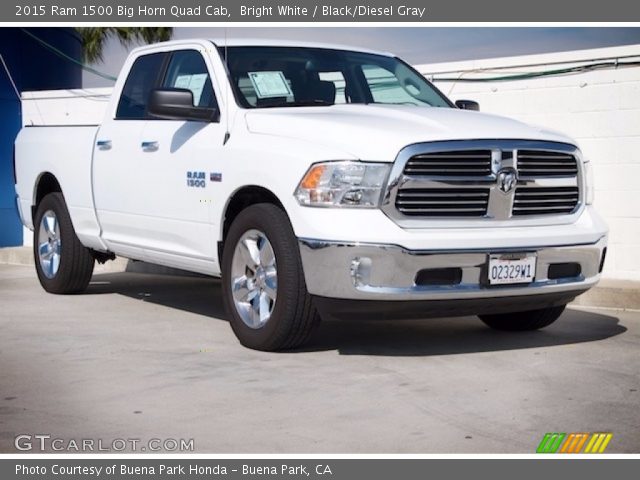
<point x="536" y="163"/>
<point x="443" y="202"/>
<point x="466" y="163"/>
<point x="484" y="180"/>
<point x="545" y="200"/>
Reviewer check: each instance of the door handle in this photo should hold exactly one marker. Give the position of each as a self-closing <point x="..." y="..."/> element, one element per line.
<point x="104" y="144"/>
<point x="151" y="146"/>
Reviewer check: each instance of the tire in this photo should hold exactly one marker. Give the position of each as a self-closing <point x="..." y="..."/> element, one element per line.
<point x="267" y="301"/>
<point x="523" y="321"/>
<point x="65" y="265"/>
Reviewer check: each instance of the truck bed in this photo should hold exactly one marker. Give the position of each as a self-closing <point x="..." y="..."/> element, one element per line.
<point x="64" y="152"/>
<point x="65" y="107"/>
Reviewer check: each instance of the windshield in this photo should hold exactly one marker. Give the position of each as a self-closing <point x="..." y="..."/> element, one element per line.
<point x="294" y="76"/>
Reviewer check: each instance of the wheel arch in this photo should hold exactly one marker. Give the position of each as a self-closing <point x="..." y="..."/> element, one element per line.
<point x="240" y="199"/>
<point x="45" y="184"/>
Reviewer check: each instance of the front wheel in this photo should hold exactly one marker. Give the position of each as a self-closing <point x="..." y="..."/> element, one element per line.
<point x="523" y="321"/>
<point x="263" y="281"/>
<point x="63" y="264"/>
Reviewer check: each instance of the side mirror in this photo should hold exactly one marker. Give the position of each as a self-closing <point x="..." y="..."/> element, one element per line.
<point x="468" y="105"/>
<point x="177" y="104"/>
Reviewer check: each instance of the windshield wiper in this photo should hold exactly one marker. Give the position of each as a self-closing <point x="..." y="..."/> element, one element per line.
<point x="305" y="103"/>
<point x="392" y="103"/>
<point x="309" y="103"/>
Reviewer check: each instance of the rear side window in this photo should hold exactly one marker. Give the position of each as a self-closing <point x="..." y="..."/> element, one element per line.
<point x="187" y="70"/>
<point x="142" y="78"/>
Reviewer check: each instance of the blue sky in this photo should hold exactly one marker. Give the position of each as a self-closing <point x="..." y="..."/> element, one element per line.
<point x="414" y="44"/>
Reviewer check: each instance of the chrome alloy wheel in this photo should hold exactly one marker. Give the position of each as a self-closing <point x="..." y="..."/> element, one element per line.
<point x="254" y="278"/>
<point x="49" y="244"/>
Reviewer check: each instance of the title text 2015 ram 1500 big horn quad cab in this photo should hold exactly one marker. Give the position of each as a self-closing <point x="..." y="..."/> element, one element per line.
<point x="315" y="180"/>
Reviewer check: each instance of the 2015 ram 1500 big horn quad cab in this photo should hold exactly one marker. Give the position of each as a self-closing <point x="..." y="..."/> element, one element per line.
<point x="315" y="180"/>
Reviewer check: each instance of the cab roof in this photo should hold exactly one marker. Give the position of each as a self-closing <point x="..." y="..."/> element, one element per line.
<point x="262" y="42"/>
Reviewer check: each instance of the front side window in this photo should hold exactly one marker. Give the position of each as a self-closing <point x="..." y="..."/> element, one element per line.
<point x="188" y="70"/>
<point x="297" y="76"/>
<point x="142" y="78"/>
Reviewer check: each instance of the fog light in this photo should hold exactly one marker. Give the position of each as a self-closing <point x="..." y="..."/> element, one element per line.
<point x="360" y="270"/>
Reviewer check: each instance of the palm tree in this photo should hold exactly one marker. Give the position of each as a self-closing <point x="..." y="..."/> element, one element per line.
<point x="93" y="39"/>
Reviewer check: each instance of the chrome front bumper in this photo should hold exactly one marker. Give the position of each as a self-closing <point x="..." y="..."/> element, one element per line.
<point x="360" y="271"/>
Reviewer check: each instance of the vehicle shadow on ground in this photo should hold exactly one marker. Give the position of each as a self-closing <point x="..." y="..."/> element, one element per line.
<point x="450" y="336"/>
<point x="190" y="293"/>
<point x="445" y="336"/>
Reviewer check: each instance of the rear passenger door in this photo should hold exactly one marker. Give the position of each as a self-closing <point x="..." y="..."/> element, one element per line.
<point x="118" y="169"/>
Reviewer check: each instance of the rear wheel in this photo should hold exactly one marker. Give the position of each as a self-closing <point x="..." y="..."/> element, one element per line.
<point x="263" y="282"/>
<point x="523" y="321"/>
<point x="63" y="264"/>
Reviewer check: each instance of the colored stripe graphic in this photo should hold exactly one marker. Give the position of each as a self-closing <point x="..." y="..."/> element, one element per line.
<point x="550" y="442"/>
<point x="598" y="443"/>
<point x="573" y="442"/>
<point x="570" y="443"/>
<point x="581" y="443"/>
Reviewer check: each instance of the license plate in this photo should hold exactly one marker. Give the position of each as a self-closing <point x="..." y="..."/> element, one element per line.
<point x="510" y="268"/>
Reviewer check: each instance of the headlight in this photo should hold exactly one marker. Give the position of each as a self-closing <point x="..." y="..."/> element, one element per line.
<point x="343" y="184"/>
<point x="589" y="192"/>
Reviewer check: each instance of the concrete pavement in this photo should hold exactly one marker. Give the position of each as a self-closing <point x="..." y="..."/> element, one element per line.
<point x="150" y="356"/>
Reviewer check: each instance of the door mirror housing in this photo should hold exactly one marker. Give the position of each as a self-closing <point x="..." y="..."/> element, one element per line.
<point x="468" y="105"/>
<point x="177" y="104"/>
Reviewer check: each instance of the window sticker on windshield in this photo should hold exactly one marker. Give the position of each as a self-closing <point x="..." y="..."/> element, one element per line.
<point x="270" y="84"/>
<point x="195" y="83"/>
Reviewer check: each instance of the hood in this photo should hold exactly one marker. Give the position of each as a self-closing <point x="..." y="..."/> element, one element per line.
<point x="379" y="132"/>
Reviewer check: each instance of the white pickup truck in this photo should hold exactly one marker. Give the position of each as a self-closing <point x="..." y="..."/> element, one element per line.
<point x="315" y="181"/>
